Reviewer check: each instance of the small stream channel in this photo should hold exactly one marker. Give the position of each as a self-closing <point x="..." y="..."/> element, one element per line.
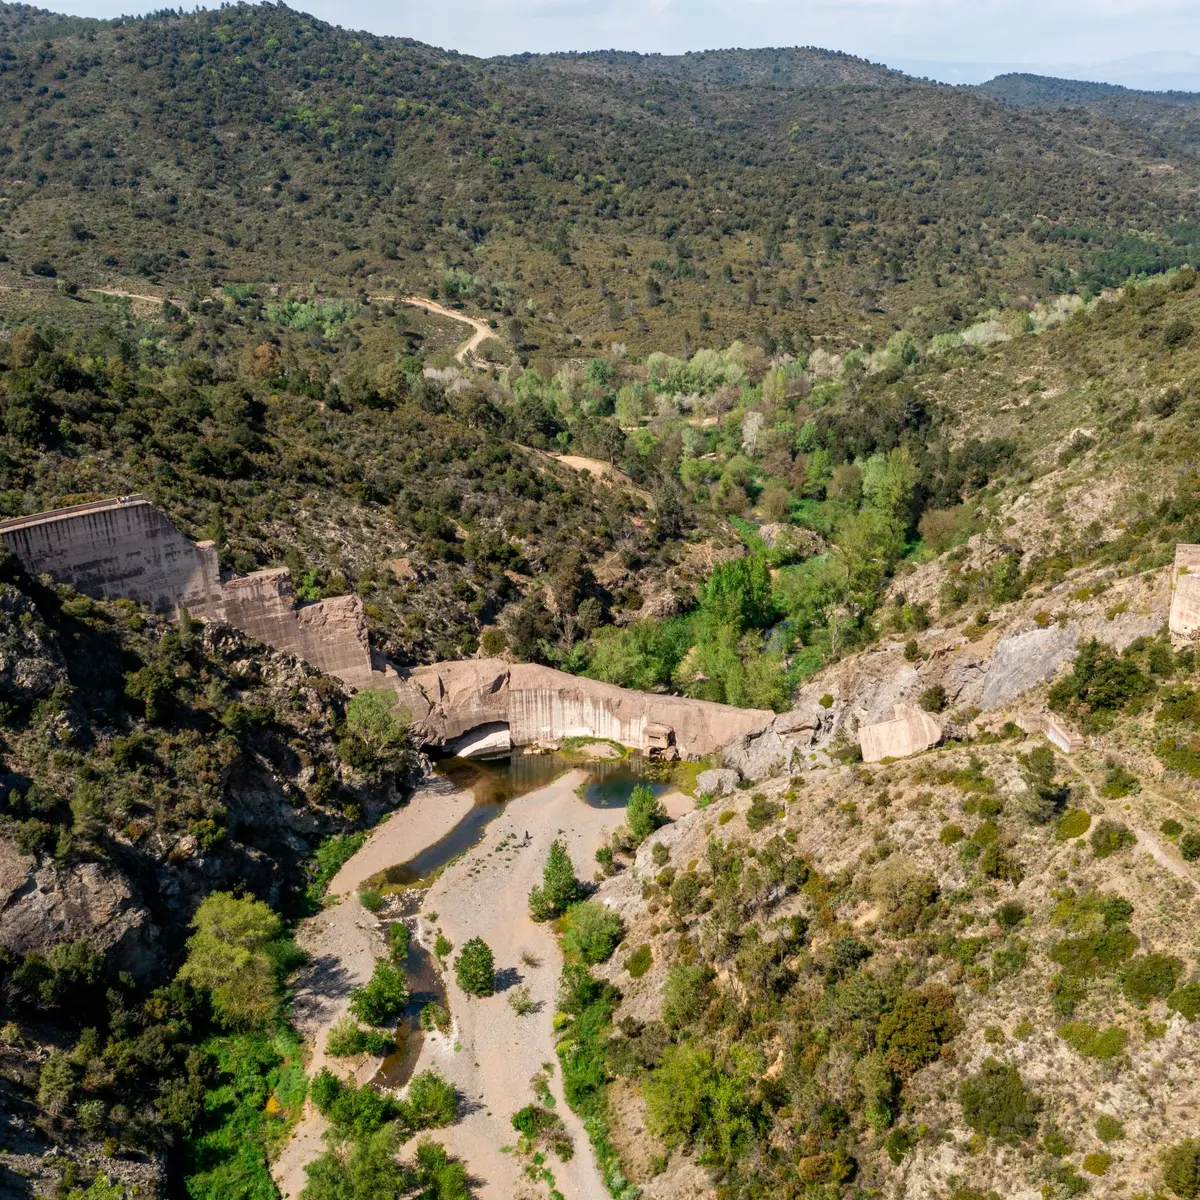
<point x="493" y="783"/>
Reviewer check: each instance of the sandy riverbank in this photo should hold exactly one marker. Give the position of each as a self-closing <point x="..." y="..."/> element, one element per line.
<point x="485" y="894"/>
<point x="343" y="942"/>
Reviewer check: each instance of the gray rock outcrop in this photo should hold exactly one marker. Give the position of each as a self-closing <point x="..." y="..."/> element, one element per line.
<point x="716" y="782"/>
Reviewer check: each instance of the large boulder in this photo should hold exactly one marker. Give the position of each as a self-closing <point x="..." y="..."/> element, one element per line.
<point x="716" y="782"/>
<point x="42" y="904"/>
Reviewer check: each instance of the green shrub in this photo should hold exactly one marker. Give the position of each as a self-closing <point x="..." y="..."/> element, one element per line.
<point x="1185" y="1001"/>
<point x="382" y="998"/>
<point x="435" y="1016"/>
<point x="1119" y="782"/>
<point x="432" y="1101"/>
<point x="1170" y="828"/>
<point x="761" y="812"/>
<point x="1010" y="914"/>
<point x="933" y="699"/>
<point x="1100" y="684"/>
<point x="559" y="888"/>
<point x="347" y="1039"/>
<point x="1181" y="1168"/>
<point x="371" y="899"/>
<point x="1097" y="1163"/>
<point x="686" y="890"/>
<point x="331" y="855"/>
<point x="1109" y="1129"/>
<point x="996" y="1103"/>
<point x="912" y="1034"/>
<point x="475" y="968"/>
<point x="1072" y="824"/>
<point x="686" y="994"/>
<point x="592" y="931"/>
<point x="639" y="962"/>
<point x="1110" y="837"/>
<point x="1189" y="846"/>
<point x="1150" y="977"/>
<point x="399" y="937"/>
<point x="644" y="813"/>
<point x="951" y="834"/>
<point x="1092" y="1042"/>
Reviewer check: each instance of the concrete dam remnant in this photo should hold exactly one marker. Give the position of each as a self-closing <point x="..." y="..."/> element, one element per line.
<point x="909" y="732"/>
<point x="1185" y="591"/>
<point x="450" y="700"/>
<point x="125" y="548"/>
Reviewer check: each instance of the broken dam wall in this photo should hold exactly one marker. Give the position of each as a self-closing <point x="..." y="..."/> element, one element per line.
<point x="125" y="548"/>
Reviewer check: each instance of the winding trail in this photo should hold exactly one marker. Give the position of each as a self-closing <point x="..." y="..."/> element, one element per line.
<point x="483" y="330"/>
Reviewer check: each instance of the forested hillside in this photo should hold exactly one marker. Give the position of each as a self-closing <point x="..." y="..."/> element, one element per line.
<point x="582" y="199"/>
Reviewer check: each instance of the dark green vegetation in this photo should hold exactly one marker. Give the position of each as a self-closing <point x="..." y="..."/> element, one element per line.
<point x="559" y="888"/>
<point x="123" y="734"/>
<point x="367" y="1128"/>
<point x="475" y="968"/>
<point x="576" y="197"/>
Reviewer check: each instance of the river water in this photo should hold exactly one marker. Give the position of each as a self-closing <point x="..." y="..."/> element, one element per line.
<point x="498" y="781"/>
<point x="494" y="783"/>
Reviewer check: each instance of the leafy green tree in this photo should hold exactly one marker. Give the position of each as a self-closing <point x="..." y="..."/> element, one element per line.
<point x="644" y="813"/>
<point x="227" y="955"/>
<point x="592" y="932"/>
<point x="475" y="968"/>
<point x="677" y="1093"/>
<point x="381" y="999"/>
<point x="559" y="888"/>
<point x="686" y="993"/>
<point x="432" y="1101"/>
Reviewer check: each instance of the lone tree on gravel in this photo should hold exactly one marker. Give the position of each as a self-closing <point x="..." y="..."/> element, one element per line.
<point x="475" y="968"/>
<point x="559" y="890"/>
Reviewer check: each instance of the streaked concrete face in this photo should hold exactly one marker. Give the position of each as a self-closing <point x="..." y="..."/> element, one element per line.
<point x="909" y="732"/>
<point x="1185" y="591"/>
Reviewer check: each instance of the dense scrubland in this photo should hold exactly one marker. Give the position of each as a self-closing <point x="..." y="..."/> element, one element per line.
<point x="797" y="362"/>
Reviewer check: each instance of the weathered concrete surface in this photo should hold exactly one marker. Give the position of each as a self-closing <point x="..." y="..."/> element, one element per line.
<point x="909" y="732"/>
<point x="1023" y="660"/>
<point x="1062" y="735"/>
<point x="1185" y="591"/>
<point x="120" y="549"/>
<point x="126" y="549"/>
<point x="538" y="703"/>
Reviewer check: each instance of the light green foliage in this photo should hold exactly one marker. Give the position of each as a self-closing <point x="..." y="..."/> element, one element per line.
<point x="1073" y="824"/>
<point x="644" y="813"/>
<point x="1092" y="1042"/>
<point x="475" y="968"/>
<point x="592" y="931"/>
<point x="686" y="994"/>
<point x="1109" y="1129"/>
<point x="559" y="888"/>
<point x="377" y="729"/>
<point x="348" y="1039"/>
<point x="227" y="955"/>
<point x="676" y="1093"/>
<point x="331" y="855"/>
<point x="431" y="1101"/>
<point x="383" y="996"/>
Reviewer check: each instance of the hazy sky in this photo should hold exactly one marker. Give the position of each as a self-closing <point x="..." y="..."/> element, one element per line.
<point x="895" y="31"/>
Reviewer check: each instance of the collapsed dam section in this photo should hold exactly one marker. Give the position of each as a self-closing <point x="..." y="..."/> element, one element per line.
<point x="125" y="548"/>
